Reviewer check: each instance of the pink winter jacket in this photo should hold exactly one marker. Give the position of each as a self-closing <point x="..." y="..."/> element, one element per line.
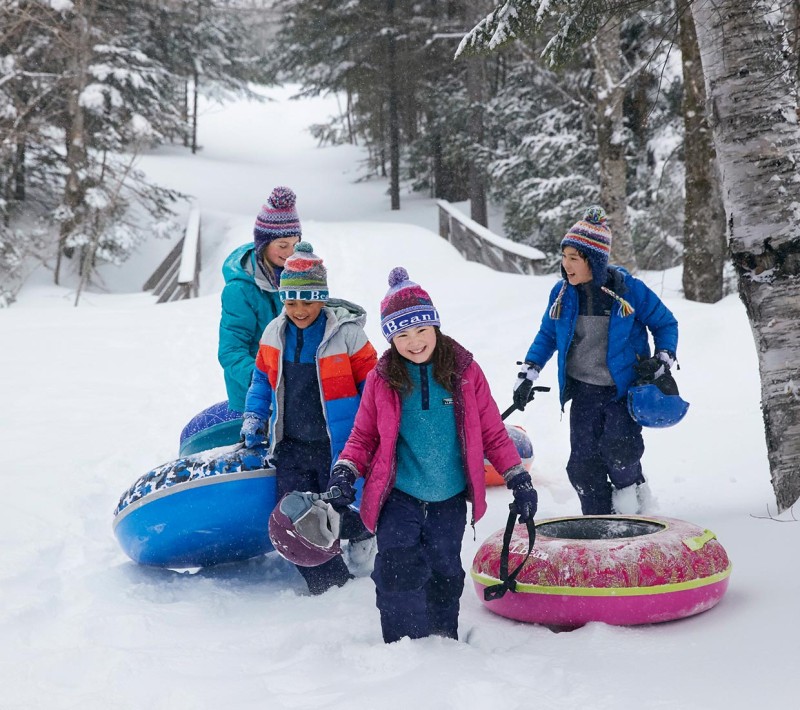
<point x="371" y="445"/>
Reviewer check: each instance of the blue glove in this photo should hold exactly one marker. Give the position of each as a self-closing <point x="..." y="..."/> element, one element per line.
<point x="254" y="431"/>
<point x="343" y="480"/>
<point x="525" y="497"/>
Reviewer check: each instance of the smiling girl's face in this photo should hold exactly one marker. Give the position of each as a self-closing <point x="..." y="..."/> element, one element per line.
<point x="279" y="250"/>
<point x="416" y="344"/>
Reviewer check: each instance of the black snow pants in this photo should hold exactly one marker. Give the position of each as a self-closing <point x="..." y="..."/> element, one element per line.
<point x="418" y="572"/>
<point x="606" y="446"/>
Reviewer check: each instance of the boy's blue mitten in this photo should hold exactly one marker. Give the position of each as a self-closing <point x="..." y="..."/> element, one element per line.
<point x="526" y="499"/>
<point x="342" y="483"/>
<point x="254" y="430"/>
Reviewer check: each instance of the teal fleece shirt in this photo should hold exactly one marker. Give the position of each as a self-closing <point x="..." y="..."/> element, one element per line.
<point x="430" y="465"/>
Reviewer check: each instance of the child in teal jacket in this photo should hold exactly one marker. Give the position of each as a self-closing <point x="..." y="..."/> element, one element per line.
<point x="250" y="299"/>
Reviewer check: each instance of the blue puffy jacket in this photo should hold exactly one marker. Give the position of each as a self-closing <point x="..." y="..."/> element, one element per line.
<point x="627" y="336"/>
<point x="248" y="307"/>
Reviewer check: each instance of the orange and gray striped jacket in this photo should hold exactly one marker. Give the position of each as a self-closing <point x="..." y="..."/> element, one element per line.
<point x="344" y="357"/>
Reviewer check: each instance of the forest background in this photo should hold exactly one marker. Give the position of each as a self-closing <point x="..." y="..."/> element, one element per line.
<point x="537" y="107"/>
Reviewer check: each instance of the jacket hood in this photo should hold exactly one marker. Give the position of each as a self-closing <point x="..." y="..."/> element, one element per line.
<point x="347" y="311"/>
<point x="240" y="266"/>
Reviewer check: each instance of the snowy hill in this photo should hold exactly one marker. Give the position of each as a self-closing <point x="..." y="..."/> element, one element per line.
<point x="95" y="396"/>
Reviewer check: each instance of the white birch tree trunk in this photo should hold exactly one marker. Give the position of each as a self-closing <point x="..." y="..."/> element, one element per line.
<point x="751" y="93"/>
<point x="705" y="240"/>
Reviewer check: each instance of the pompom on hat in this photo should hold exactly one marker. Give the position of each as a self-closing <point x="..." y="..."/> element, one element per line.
<point x="592" y="237"/>
<point x="277" y="218"/>
<point x="405" y="305"/>
<point x="304" y="276"/>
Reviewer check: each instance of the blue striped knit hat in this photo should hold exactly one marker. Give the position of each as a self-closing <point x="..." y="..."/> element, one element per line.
<point x="405" y="305"/>
<point x="304" y="277"/>
<point x="277" y="218"/>
<point x="592" y="237"/>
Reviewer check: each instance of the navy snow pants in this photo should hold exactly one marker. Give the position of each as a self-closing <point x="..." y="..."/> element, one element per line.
<point x="305" y="466"/>
<point x="606" y="446"/>
<point x="418" y="572"/>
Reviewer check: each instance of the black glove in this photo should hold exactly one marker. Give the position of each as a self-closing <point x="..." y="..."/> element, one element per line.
<point x="523" y="387"/>
<point x="342" y="484"/>
<point x="650" y="369"/>
<point x="526" y="499"/>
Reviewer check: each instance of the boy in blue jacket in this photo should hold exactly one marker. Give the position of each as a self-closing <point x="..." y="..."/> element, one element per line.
<point x="597" y="320"/>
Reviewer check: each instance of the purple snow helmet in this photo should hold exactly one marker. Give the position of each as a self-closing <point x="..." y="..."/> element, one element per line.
<point x="304" y="529"/>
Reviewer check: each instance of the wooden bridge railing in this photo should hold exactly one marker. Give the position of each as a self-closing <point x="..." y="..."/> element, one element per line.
<point x="477" y="243"/>
<point x="178" y="276"/>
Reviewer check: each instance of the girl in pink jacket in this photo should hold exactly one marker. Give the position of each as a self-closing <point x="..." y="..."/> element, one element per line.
<point x="426" y="420"/>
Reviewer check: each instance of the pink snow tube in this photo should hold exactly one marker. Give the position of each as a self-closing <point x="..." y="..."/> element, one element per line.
<point x="619" y="570"/>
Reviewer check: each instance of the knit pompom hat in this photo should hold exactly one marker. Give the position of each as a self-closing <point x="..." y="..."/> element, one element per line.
<point x="592" y="237"/>
<point x="304" y="277"/>
<point x="405" y="305"/>
<point x="277" y="218"/>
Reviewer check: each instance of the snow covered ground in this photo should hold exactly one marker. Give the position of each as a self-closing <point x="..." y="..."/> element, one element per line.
<point x="95" y="396"/>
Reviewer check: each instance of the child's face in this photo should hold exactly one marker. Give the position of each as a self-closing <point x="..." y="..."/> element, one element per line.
<point x="576" y="266"/>
<point x="279" y="250"/>
<point x="303" y="313"/>
<point x="416" y="344"/>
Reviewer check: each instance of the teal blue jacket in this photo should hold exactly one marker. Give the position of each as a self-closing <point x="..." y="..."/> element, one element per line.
<point x="248" y="306"/>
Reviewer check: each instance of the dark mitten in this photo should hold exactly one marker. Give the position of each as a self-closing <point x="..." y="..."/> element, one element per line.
<point x="523" y="386"/>
<point x="650" y="369"/>
<point x="341" y="486"/>
<point x="526" y="499"/>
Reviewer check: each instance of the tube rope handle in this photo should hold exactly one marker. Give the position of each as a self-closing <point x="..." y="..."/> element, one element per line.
<point x="508" y="582"/>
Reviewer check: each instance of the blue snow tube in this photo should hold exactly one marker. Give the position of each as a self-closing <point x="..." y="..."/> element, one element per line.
<point x="215" y="426"/>
<point x="199" y="511"/>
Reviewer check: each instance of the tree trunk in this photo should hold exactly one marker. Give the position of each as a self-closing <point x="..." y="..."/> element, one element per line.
<point x="610" y="141"/>
<point x="394" y="108"/>
<point x="476" y="80"/>
<point x="476" y="92"/>
<point x="704" y="237"/>
<point x="75" y="138"/>
<point x="752" y="95"/>
<point x="19" y="169"/>
<point x="195" y="81"/>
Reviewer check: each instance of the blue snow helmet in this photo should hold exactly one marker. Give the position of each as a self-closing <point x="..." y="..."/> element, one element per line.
<point x="651" y="407"/>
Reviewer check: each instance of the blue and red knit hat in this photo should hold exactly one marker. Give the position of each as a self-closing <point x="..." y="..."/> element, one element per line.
<point x="277" y="218"/>
<point x="592" y="237"/>
<point x="405" y="305"/>
<point x="304" y="276"/>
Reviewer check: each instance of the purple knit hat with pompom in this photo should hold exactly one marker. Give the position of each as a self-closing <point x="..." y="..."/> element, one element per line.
<point x="278" y="218"/>
<point x="405" y="305"/>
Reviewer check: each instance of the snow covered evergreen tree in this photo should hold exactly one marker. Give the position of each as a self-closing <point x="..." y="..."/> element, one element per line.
<point x="87" y="86"/>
